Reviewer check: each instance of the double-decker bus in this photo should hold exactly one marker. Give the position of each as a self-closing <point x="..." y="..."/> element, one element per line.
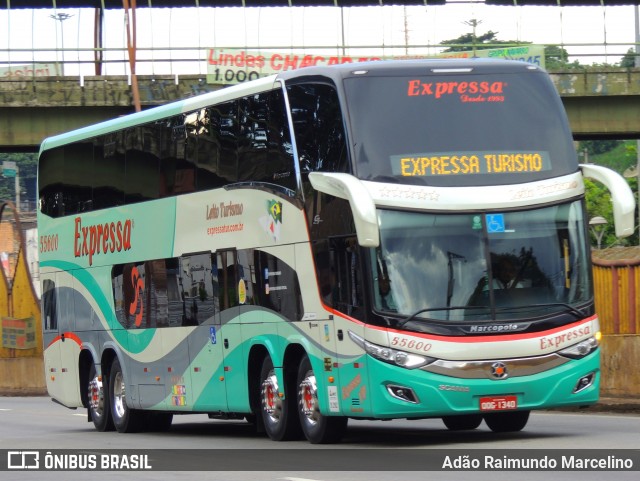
<point x="394" y="239"/>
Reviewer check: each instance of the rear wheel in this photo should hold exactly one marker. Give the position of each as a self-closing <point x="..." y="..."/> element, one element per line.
<point x="278" y="414"/>
<point x="507" y="422"/>
<point x="317" y="428"/>
<point x="125" y="419"/>
<point x="463" y="422"/>
<point x="98" y="402"/>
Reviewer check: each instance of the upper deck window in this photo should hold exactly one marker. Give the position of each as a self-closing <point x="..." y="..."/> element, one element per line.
<point x="458" y="128"/>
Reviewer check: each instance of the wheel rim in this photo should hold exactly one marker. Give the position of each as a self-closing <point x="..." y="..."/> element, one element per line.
<point x="271" y="401"/>
<point x="96" y="397"/>
<point x="308" y="399"/>
<point x="119" y="395"/>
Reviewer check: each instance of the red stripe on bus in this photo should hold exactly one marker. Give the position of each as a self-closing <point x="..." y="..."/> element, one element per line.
<point x="67" y="335"/>
<point x="490" y="338"/>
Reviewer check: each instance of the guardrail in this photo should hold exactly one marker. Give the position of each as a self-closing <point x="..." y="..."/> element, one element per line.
<point x="28" y="62"/>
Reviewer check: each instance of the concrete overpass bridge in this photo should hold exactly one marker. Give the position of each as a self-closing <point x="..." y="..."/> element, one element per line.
<point x="603" y="103"/>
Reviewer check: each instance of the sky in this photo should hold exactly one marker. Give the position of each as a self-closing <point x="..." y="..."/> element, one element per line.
<point x="608" y="32"/>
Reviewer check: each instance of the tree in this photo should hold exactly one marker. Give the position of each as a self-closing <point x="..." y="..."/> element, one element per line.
<point x="555" y="57"/>
<point x="558" y="58"/>
<point x="469" y="41"/>
<point x="27" y="166"/>
<point x="599" y="204"/>
<point x="629" y="59"/>
<point x="596" y="147"/>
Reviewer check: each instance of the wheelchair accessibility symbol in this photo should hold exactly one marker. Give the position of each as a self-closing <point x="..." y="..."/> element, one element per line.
<point x="212" y="335"/>
<point x="495" y="223"/>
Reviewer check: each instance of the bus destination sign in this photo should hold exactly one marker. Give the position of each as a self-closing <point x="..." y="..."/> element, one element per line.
<point x="469" y="163"/>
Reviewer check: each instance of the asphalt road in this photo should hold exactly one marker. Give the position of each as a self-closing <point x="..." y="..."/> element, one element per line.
<point x="371" y="450"/>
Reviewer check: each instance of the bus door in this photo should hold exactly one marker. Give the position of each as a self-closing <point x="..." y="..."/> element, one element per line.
<point x="62" y="345"/>
<point x="232" y="294"/>
<point x="200" y="309"/>
<point x="347" y="297"/>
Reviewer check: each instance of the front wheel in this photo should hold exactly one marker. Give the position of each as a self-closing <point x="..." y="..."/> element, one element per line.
<point x="125" y="419"/>
<point x="317" y="428"/>
<point x="507" y="422"/>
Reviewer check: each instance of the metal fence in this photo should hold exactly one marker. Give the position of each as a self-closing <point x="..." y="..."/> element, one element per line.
<point x="617" y="291"/>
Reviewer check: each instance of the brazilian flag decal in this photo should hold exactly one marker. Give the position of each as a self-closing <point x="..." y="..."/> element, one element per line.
<point x="275" y="210"/>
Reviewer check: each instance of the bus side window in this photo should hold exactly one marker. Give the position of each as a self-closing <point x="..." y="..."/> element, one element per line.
<point x="227" y="279"/>
<point x="281" y="167"/>
<point x="278" y="288"/>
<point x="247" y="274"/>
<point x="142" y="167"/>
<point x="347" y="285"/>
<point x="66" y="308"/>
<point x="208" y="151"/>
<point x="196" y="288"/>
<point x="174" y="292"/>
<point x="77" y="177"/>
<point x="109" y="175"/>
<point x="51" y="168"/>
<point x="49" y="310"/>
<point x="224" y="140"/>
<point x="264" y="143"/>
<point x="318" y="128"/>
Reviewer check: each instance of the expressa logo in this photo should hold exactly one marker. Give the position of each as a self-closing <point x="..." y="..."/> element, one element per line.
<point x="137" y="306"/>
<point x="563" y="338"/>
<point x="440" y="89"/>
<point x="101" y="238"/>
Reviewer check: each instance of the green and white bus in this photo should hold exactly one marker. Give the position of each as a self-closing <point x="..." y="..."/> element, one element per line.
<point x="401" y="239"/>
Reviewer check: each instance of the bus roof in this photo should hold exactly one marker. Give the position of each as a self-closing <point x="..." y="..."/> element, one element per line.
<point x="174" y="108"/>
<point x="333" y="72"/>
<point x="413" y="67"/>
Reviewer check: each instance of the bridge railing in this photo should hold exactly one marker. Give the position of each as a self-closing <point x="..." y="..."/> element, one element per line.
<point x="29" y="62"/>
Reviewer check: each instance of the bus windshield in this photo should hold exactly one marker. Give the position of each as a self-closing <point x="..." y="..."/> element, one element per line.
<point x="428" y="129"/>
<point x="475" y="267"/>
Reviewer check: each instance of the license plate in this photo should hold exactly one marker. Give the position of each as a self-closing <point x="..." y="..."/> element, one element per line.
<point x="498" y="403"/>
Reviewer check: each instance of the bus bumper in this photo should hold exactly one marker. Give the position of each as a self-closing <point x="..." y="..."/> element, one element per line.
<point x="434" y="395"/>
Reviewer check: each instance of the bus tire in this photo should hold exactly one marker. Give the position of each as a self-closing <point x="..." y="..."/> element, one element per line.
<point x="278" y="414"/>
<point x="317" y="428"/>
<point x="125" y="419"/>
<point x="98" y="404"/>
<point x="463" y="422"/>
<point x="507" y="422"/>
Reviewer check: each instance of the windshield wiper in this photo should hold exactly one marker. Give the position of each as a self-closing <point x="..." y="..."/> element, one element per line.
<point x="576" y="312"/>
<point x="429" y="309"/>
<point x="570" y="308"/>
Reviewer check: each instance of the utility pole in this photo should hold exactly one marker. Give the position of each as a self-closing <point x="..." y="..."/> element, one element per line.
<point x="61" y="17"/>
<point x="10" y="169"/>
<point x="474" y="24"/>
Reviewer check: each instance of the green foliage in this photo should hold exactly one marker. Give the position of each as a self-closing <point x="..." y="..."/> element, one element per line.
<point x="620" y="158"/>
<point x="595" y="147"/>
<point x="617" y="155"/>
<point x="27" y="167"/>
<point x="629" y="59"/>
<point x="599" y="204"/>
<point x="469" y="41"/>
<point x="556" y="57"/>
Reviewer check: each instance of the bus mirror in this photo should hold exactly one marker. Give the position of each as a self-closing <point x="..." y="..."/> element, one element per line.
<point x="621" y="196"/>
<point x="346" y="186"/>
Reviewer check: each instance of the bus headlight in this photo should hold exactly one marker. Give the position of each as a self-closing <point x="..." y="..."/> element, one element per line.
<point x="404" y="359"/>
<point x="581" y="349"/>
